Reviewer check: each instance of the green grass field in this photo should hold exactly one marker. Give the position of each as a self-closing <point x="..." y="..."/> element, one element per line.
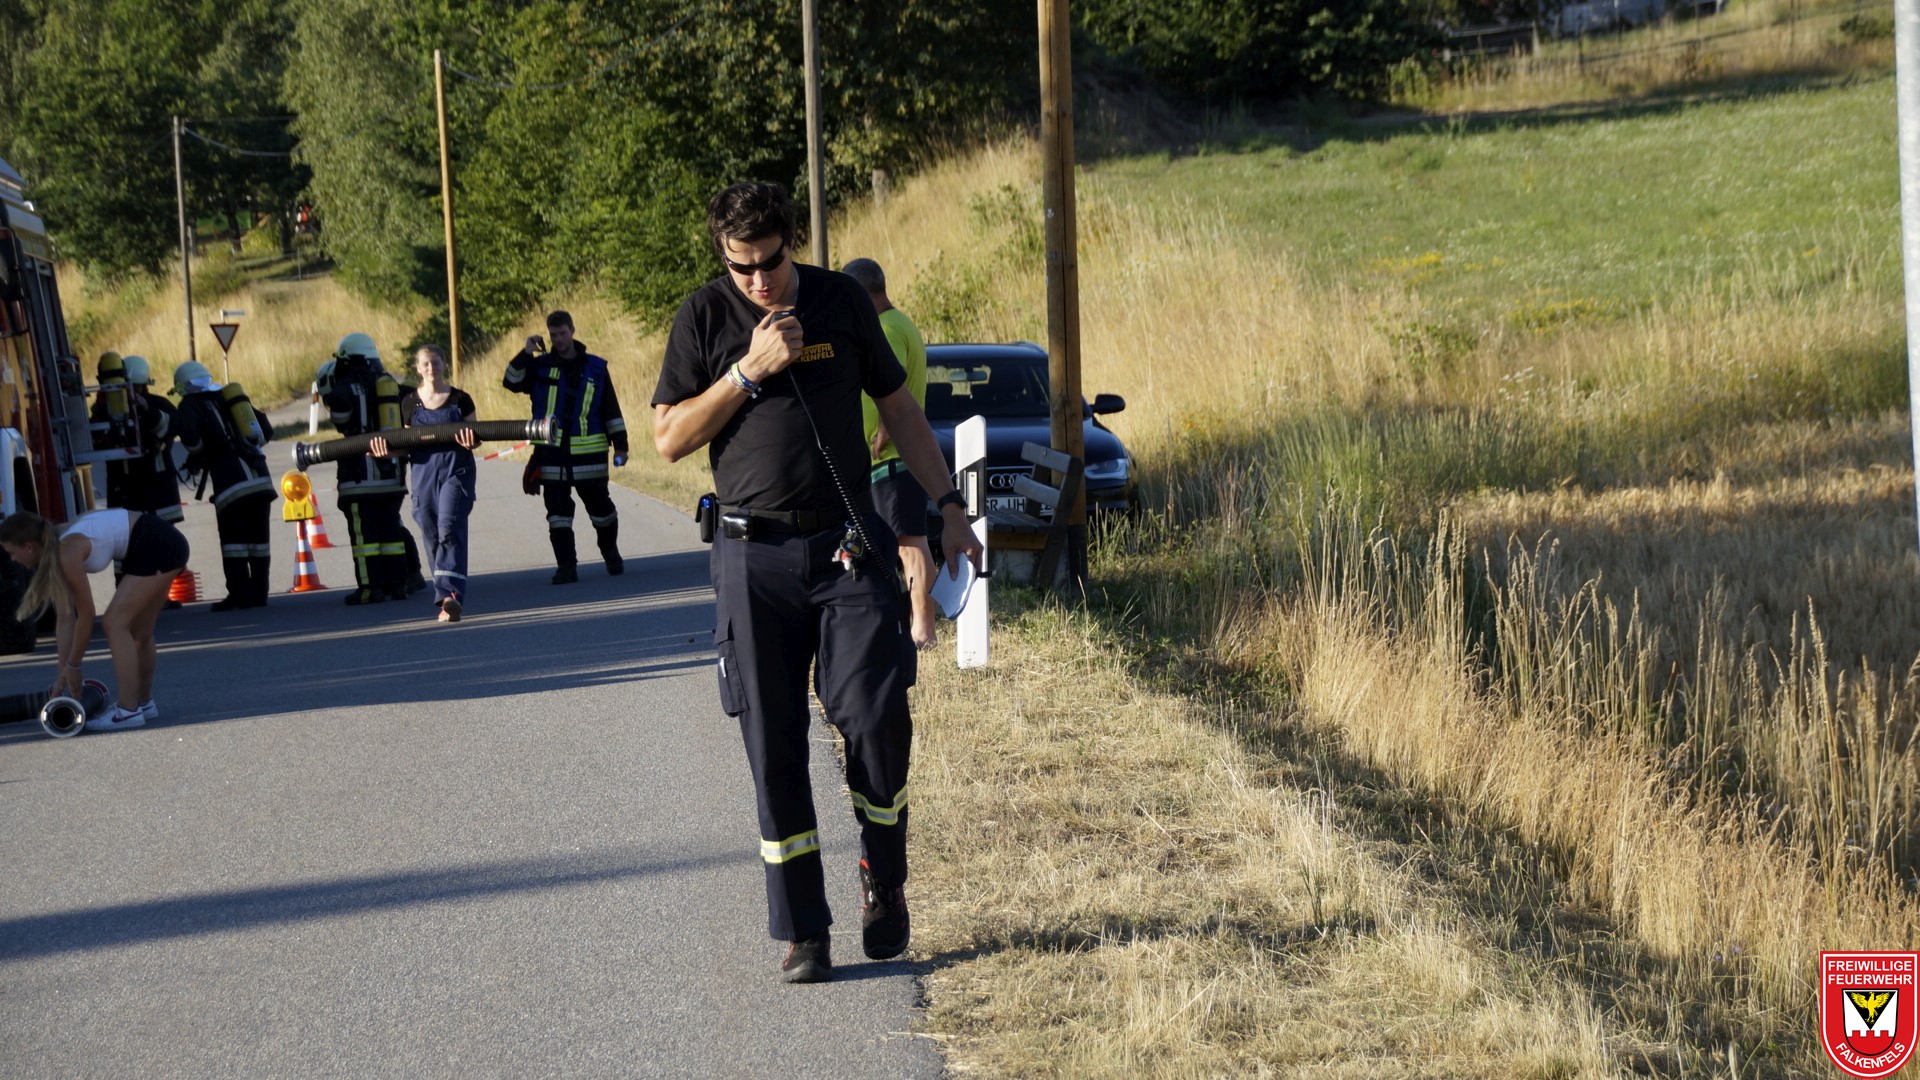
<point x="1602" y="212"/>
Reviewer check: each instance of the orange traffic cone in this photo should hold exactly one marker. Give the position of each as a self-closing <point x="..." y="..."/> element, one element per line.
<point x="185" y="589"/>
<point x="318" y="533"/>
<point x="306" y="576"/>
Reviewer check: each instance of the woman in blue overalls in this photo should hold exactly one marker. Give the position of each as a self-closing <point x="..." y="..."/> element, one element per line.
<point x="443" y="491"/>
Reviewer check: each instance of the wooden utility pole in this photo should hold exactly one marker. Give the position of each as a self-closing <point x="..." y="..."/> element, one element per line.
<point x="1063" y="266"/>
<point x="446" y="210"/>
<point x="816" y="155"/>
<point x="186" y="236"/>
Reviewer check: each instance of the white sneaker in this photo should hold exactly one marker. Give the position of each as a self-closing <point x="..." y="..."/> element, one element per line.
<point x="150" y="709"/>
<point x="117" y="720"/>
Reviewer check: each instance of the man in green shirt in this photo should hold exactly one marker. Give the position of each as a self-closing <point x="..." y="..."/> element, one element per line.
<point x="897" y="496"/>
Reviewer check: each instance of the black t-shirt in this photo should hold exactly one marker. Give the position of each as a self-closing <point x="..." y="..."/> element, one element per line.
<point x="765" y="456"/>
<point x="456" y="397"/>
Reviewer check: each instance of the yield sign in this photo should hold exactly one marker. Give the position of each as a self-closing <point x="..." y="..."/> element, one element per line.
<point x="224" y="331"/>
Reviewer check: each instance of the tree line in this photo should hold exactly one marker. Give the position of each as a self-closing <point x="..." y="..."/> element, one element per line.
<point x="586" y="134"/>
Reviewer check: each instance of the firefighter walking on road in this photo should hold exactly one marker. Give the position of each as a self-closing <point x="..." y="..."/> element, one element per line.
<point x="362" y="398"/>
<point x="575" y="388"/>
<point x="223" y="438"/>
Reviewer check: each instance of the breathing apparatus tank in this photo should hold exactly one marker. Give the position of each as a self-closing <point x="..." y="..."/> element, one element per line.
<point x="113" y="391"/>
<point x="240" y="410"/>
<point x="386" y="403"/>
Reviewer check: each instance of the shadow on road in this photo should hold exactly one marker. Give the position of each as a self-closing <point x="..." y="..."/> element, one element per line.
<point x="309" y="652"/>
<point x="222" y="912"/>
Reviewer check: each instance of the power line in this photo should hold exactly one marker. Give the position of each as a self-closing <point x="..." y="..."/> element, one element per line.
<point x="617" y="61"/>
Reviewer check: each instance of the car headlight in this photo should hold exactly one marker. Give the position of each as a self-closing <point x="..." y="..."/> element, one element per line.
<point x="1110" y="470"/>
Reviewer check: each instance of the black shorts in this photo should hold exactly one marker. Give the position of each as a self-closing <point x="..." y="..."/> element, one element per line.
<point x="899" y="498"/>
<point x="153" y="547"/>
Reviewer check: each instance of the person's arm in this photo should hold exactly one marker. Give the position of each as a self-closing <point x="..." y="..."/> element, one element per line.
<point x="520" y="366"/>
<point x="685" y="426"/>
<point x="466" y="437"/>
<point x="616" y="424"/>
<point x="73" y="623"/>
<point x="913" y="437"/>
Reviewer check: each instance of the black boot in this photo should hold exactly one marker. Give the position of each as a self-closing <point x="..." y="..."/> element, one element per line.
<point x="563" y="556"/>
<point x="609" y="537"/>
<point x="239" y="586"/>
<point x="259" y="565"/>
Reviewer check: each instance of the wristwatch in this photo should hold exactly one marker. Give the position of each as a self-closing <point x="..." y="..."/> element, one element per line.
<point x="953" y="498"/>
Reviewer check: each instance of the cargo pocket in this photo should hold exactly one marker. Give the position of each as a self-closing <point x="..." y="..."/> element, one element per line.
<point x="733" y="693"/>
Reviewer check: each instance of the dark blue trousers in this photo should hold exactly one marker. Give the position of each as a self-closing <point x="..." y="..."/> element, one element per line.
<point x="442" y="501"/>
<point x="784" y="609"/>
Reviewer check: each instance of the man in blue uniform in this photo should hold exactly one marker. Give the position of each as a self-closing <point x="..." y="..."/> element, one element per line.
<point x="574" y="387"/>
<point x="765" y="366"/>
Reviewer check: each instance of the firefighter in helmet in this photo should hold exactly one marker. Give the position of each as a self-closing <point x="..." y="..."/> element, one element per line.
<point x="124" y="408"/>
<point x="152" y="483"/>
<point x="362" y="398"/>
<point x="223" y="438"/>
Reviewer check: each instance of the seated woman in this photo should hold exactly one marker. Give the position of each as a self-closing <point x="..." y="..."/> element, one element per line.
<point x="151" y="552"/>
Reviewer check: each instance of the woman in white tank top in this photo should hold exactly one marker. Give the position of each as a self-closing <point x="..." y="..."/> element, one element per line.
<point x="151" y="552"/>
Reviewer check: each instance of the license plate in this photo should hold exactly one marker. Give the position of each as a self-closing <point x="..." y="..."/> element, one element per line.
<point x="1014" y="503"/>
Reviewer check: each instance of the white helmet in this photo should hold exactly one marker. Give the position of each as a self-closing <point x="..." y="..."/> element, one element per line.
<point x="357" y="344"/>
<point x="138" y="373"/>
<point x="191" y="377"/>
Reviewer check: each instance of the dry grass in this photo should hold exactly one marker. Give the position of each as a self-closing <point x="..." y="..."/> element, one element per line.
<point x="290" y="329"/>
<point x="1116" y="885"/>
<point x="1767" y="547"/>
<point x="1664" y="445"/>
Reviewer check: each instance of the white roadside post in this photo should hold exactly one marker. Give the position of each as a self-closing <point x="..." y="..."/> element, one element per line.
<point x="313" y="409"/>
<point x="970" y="455"/>
<point x="1906" y="55"/>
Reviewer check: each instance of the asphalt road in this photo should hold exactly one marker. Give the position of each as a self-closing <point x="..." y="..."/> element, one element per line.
<point x="361" y="844"/>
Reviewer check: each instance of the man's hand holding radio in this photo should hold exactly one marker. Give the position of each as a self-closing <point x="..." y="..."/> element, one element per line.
<point x="776" y="345"/>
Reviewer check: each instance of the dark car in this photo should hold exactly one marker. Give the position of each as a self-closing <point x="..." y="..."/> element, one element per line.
<point x="1007" y="385"/>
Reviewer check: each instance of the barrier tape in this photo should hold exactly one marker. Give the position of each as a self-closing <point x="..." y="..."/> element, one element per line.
<point x="508" y="450"/>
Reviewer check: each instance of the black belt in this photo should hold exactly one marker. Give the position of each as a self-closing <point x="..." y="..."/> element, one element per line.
<point x="794" y="521"/>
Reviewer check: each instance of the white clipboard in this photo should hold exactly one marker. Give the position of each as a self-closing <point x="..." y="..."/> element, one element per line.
<point x="950" y="592"/>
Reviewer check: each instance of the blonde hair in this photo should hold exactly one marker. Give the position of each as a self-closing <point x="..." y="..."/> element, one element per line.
<point x="47" y="585"/>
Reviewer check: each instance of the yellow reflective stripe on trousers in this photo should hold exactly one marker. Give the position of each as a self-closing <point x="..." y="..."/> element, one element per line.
<point x="881" y="815"/>
<point x="779" y="851"/>
<point x="360" y="546"/>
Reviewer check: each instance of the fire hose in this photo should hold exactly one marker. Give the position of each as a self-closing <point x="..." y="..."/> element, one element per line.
<point x="413" y="438"/>
<point x="61" y="717"/>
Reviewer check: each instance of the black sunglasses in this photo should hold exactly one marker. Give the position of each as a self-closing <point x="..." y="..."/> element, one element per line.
<point x="765" y="266"/>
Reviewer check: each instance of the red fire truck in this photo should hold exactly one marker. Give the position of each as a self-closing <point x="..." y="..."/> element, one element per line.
<point x="46" y="441"/>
